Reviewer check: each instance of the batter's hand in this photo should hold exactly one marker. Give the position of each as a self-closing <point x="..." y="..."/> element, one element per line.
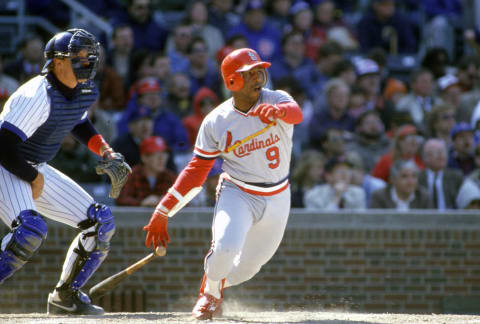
<point x="157" y="230"/>
<point x="37" y="186"/>
<point x="268" y="112"/>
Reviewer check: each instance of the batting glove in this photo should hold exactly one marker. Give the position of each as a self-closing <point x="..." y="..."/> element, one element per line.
<point x="268" y="112"/>
<point x="157" y="230"/>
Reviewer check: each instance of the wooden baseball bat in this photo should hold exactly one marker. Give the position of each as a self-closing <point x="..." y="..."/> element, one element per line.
<point x="111" y="282"/>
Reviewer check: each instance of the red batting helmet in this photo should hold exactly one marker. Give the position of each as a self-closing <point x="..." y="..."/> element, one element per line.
<point x="238" y="61"/>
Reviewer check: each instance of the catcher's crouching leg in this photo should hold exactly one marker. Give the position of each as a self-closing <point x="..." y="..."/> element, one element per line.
<point x="29" y="230"/>
<point x="85" y="255"/>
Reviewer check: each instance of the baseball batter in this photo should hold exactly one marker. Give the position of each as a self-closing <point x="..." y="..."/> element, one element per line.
<point x="33" y="123"/>
<point x="252" y="133"/>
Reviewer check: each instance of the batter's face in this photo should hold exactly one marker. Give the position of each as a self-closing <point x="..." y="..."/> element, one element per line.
<point x="254" y="80"/>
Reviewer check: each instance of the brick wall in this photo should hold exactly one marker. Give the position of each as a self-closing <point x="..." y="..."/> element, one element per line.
<point x="373" y="262"/>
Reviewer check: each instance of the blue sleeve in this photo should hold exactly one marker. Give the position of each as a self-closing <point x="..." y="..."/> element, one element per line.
<point x="11" y="158"/>
<point x="84" y="131"/>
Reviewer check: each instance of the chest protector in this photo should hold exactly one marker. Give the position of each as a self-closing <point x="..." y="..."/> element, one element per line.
<point x="65" y="114"/>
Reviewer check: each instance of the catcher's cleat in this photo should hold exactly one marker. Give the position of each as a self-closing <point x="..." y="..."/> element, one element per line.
<point x="206" y="307"/>
<point x="71" y="302"/>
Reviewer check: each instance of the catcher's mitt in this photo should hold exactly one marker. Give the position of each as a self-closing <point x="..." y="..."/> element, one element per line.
<point x="117" y="169"/>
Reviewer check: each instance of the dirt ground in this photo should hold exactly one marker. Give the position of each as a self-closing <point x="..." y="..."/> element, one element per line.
<point x="243" y="317"/>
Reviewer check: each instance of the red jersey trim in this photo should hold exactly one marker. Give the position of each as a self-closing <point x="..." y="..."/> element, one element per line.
<point x="255" y="190"/>
<point x="205" y="153"/>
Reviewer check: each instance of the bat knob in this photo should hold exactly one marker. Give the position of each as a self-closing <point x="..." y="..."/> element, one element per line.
<point x="160" y="251"/>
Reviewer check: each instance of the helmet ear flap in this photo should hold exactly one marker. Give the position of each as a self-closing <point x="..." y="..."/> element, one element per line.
<point x="234" y="82"/>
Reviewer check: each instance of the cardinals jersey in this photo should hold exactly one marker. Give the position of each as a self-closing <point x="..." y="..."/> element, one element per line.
<point x="264" y="159"/>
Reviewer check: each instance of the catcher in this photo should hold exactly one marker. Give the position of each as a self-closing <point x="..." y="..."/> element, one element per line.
<point x="33" y="123"/>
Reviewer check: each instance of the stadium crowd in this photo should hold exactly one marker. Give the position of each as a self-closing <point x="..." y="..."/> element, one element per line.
<point x="390" y="92"/>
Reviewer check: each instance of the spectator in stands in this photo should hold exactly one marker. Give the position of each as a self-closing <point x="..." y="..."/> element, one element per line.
<point x="461" y="154"/>
<point x="261" y="37"/>
<point x="197" y="16"/>
<point x="161" y="70"/>
<point x="179" y="95"/>
<point x="148" y="34"/>
<point x="30" y="61"/>
<point x="140" y="68"/>
<point x="279" y="13"/>
<point x="449" y="90"/>
<point x="7" y="85"/>
<point x="150" y="179"/>
<point x="358" y="102"/>
<point x="369" y="139"/>
<point x="442" y="18"/>
<point x="110" y="86"/>
<point x="361" y="176"/>
<point x="140" y="126"/>
<point x="368" y="79"/>
<point x="308" y="172"/>
<point x="406" y="146"/>
<point x="469" y="195"/>
<point x="403" y="193"/>
<point x="345" y="70"/>
<point x="467" y="73"/>
<point x="442" y="184"/>
<point x="436" y="60"/>
<point x="338" y="193"/>
<point x="441" y="120"/>
<point x="329" y="26"/>
<point x="204" y="101"/>
<point x="166" y="124"/>
<point x="335" y="114"/>
<point x="292" y="61"/>
<point x="76" y="161"/>
<point x="468" y="78"/>
<point x="383" y="26"/>
<point x="120" y="54"/>
<point x="176" y="48"/>
<point x="394" y="91"/>
<point x="222" y="15"/>
<point x="421" y="99"/>
<point x="203" y="71"/>
<point x="314" y="81"/>
<point x="331" y="143"/>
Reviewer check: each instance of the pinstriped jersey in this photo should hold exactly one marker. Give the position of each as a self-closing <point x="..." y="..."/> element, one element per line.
<point x="262" y="159"/>
<point x="41" y="116"/>
<point x="28" y="107"/>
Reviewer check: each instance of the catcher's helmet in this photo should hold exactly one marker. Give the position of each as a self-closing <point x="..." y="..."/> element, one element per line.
<point x="238" y="61"/>
<point x="67" y="45"/>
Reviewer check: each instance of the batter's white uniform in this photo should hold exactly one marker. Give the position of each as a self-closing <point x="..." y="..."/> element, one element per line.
<point x="254" y="200"/>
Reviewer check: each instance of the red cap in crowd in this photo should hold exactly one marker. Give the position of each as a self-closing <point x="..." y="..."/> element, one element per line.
<point x="148" y="85"/>
<point x="152" y="144"/>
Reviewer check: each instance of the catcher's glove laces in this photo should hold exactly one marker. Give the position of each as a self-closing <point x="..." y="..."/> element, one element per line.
<point x="113" y="164"/>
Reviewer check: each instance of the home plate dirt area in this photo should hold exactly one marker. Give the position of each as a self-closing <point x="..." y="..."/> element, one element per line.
<point x="244" y="317"/>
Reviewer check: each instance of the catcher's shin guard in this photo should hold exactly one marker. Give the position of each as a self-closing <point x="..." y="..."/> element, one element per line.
<point x="100" y="219"/>
<point x="29" y="230"/>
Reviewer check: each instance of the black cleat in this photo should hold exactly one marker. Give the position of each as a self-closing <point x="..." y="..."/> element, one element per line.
<point x="71" y="302"/>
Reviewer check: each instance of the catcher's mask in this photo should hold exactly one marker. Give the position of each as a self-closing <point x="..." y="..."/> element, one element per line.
<point x="238" y="61"/>
<point x="67" y="45"/>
